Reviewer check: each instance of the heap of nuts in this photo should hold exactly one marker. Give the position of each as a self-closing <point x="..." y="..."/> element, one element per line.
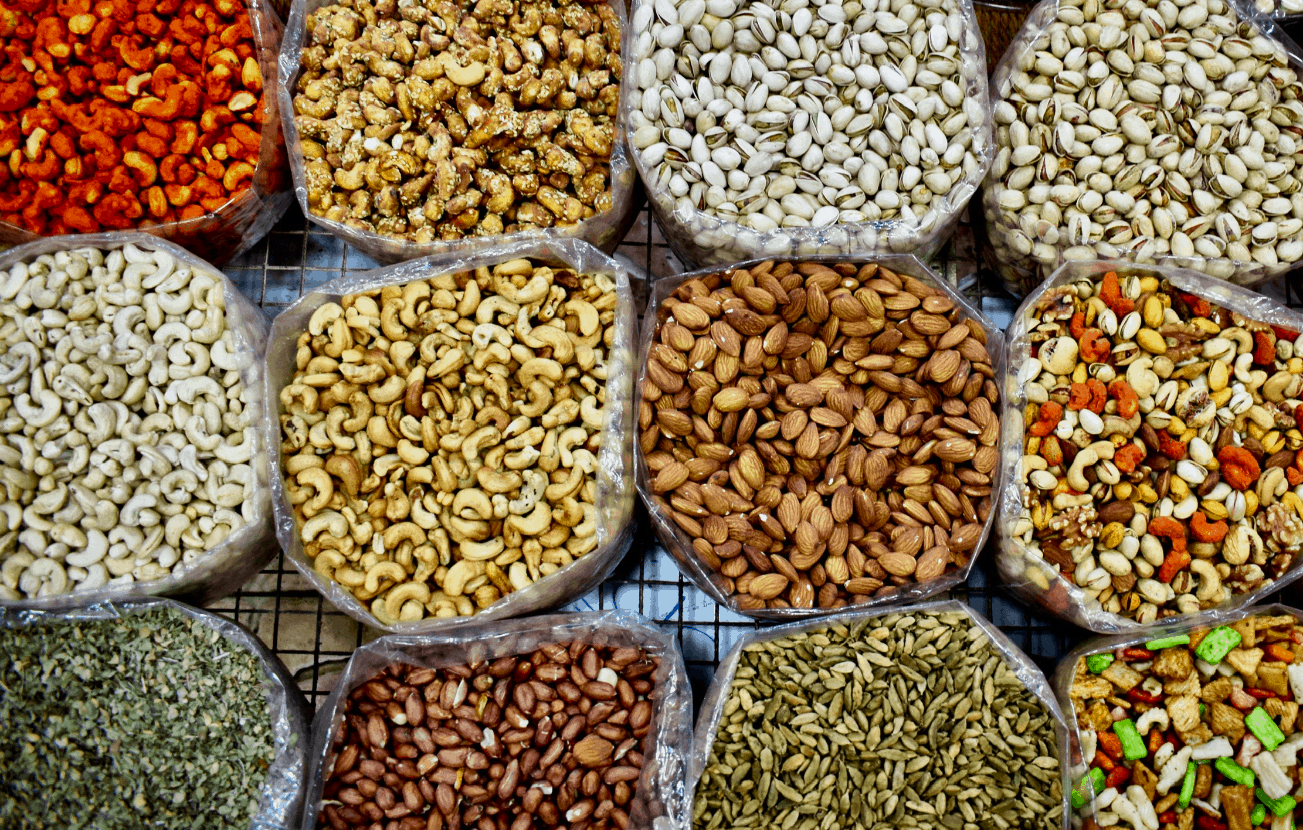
<point x="424" y="122"/>
<point x="1144" y="130"/>
<point x="1196" y="729"/>
<point x="441" y="437"/>
<point x="552" y="738"/>
<point x="1160" y="471"/>
<point x="822" y="434"/>
<point x="750" y="117"/>
<point x="128" y="447"/>
<point x="117" y="115"/>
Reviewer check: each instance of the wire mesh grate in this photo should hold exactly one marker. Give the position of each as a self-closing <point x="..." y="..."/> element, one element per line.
<point x="315" y="640"/>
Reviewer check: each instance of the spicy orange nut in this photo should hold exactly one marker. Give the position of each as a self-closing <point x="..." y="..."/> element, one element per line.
<point x="115" y="114"/>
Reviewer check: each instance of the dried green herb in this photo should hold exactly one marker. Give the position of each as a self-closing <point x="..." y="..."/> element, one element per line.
<point x="152" y="720"/>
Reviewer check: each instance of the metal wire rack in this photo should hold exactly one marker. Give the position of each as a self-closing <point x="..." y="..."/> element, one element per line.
<point x="314" y="639"/>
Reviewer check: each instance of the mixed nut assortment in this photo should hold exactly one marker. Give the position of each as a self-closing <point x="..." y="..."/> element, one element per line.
<point x="1160" y="471"/>
<point x="119" y="115"/>
<point x="1143" y="130"/>
<point x="823" y="434"/>
<point x="552" y="738"/>
<point x="1195" y="729"/>
<point x="424" y="121"/>
<point x="441" y="437"/>
<point x="753" y="117"/>
<point x="128" y="439"/>
<point x="912" y="719"/>
<point x="149" y="719"/>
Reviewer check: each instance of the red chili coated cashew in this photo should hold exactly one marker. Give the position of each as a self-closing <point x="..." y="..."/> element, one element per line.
<point x="1047" y="418"/>
<point x="1202" y="531"/>
<point x="1238" y="467"/>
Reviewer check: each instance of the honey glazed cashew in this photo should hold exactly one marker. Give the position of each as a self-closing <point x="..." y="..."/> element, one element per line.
<point x="441" y="437"/>
<point x="427" y="121"/>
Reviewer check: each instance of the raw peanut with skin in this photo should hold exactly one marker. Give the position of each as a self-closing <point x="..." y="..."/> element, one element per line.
<point x="441" y="436"/>
<point x="424" y="123"/>
<point x="555" y="737"/>
<point x="1182" y="488"/>
<point x="115" y="117"/>
<point x="824" y="435"/>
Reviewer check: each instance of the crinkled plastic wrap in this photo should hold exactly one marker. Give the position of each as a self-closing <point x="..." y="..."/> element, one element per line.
<point x="232" y="229"/>
<point x="281" y="803"/>
<point x="1075" y="766"/>
<point x="604" y="230"/>
<point x="1025" y="257"/>
<point x="712" y="706"/>
<point x="703" y="239"/>
<point x="615" y="488"/>
<point x="242" y="554"/>
<point x="661" y="798"/>
<point x="676" y="540"/>
<point x="1027" y="574"/>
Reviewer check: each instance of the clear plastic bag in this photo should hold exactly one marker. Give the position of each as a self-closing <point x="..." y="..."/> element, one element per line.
<point x="615" y="486"/>
<point x="282" y="799"/>
<point x="1028" y="575"/>
<point x="604" y="230"/>
<point x="223" y="234"/>
<point x="677" y="542"/>
<point x="704" y="239"/>
<point x="712" y="705"/>
<point x="661" y="798"/>
<point x="1024" y="252"/>
<point x="1076" y="766"/>
<point x="242" y="554"/>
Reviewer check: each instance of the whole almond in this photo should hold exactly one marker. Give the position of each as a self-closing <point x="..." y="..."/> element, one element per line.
<point x="943" y="365"/>
<point x="863" y="585"/>
<point x="897" y="564"/>
<point x="731" y="399"/>
<point x="593" y="751"/>
<point x="767" y="586"/>
<point x="955" y="449"/>
<point x="931" y="563"/>
<point x="691" y="317"/>
<point x="670" y="477"/>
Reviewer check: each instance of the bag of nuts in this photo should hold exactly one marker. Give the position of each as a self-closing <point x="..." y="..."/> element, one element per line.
<point x="856" y="401"/>
<point x="588" y="714"/>
<point x="1147" y="131"/>
<point x="194" y="754"/>
<point x="457" y="433"/>
<point x="1192" y="724"/>
<point x="779" y="129"/>
<point x="1150" y="446"/>
<point x="415" y="131"/>
<point x="162" y="119"/>
<point x="857" y="683"/>
<point x="134" y="460"/>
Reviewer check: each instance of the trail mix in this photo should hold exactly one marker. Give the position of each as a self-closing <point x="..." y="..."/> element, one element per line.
<point x="1193" y="730"/>
<point x="441" y="437"/>
<point x="1161" y="472"/>
<point x="152" y="720"/>
<point x="552" y="738"/>
<point x="905" y="720"/>
<point x="428" y="121"/>
<point x="822" y="434"/>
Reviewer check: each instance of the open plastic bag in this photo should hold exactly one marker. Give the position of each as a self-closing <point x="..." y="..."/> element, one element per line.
<point x="676" y="540"/>
<point x="702" y="238"/>
<point x="661" y="797"/>
<point x="282" y="794"/>
<point x="604" y="230"/>
<point x="1026" y="245"/>
<point x="712" y="706"/>
<point x="1025" y="570"/>
<point x="223" y="234"/>
<point x="1082" y="742"/>
<point x="242" y="554"/>
<point x="615" y="486"/>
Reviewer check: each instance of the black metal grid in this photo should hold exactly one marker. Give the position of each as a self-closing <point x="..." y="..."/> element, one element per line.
<point x="315" y="639"/>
